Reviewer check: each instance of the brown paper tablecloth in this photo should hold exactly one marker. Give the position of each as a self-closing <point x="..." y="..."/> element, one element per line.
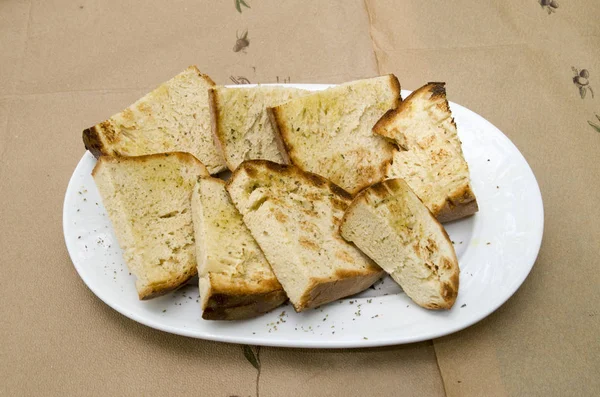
<point x="65" y="65"/>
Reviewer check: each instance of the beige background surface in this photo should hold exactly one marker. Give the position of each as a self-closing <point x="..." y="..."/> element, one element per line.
<point x="67" y="65"/>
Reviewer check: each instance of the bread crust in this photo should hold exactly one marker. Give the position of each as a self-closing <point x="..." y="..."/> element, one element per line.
<point x="241" y="301"/>
<point x="159" y="289"/>
<point x="200" y="74"/>
<point x="215" y="122"/>
<point x="92" y="141"/>
<point x="251" y="168"/>
<point x="279" y="141"/>
<point x="345" y="283"/>
<point x="396" y="88"/>
<point x="184" y="157"/>
<point x="453" y="210"/>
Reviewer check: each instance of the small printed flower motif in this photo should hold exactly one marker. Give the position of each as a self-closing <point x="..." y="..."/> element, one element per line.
<point x="239" y="4"/>
<point x="549" y="5"/>
<point x="242" y="42"/>
<point x="594" y="125"/>
<point x="582" y="82"/>
<point x="239" y="80"/>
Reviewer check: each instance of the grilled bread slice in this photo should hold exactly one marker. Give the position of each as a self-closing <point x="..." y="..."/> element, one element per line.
<point x="174" y="117"/>
<point x="389" y="223"/>
<point x="430" y="157"/>
<point x="148" y="200"/>
<point x="294" y="217"/>
<point x="236" y="281"/>
<point x="330" y="132"/>
<point x="241" y="125"/>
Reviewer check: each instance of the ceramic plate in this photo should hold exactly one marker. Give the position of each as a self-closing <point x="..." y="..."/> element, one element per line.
<point x="496" y="249"/>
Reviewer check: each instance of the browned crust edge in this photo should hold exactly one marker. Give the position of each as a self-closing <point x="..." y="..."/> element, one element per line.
<point x="93" y="142"/>
<point x="396" y="88"/>
<point x="252" y="168"/>
<point x="184" y="157"/>
<point x="448" y="291"/>
<point x="344" y="283"/>
<point x="215" y="122"/>
<point x="156" y="290"/>
<point x="237" y="301"/>
<point x="200" y="74"/>
<point x="452" y="212"/>
<point x="435" y="88"/>
<point x="274" y="118"/>
<point x="461" y="203"/>
<point x="242" y="306"/>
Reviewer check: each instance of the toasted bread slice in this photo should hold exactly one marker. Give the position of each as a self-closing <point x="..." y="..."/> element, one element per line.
<point x="430" y="157"/>
<point x="241" y="125"/>
<point x="148" y="200"/>
<point x="174" y="117"/>
<point x="389" y="223"/>
<point x="330" y="132"/>
<point x="294" y="216"/>
<point x="236" y="281"/>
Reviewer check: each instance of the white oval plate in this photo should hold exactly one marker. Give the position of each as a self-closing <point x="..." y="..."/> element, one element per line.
<point x="496" y="249"/>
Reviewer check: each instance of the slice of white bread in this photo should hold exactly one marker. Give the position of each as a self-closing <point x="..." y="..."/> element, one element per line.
<point x="389" y="223"/>
<point x="148" y="200"/>
<point x="330" y="132"/>
<point x="236" y="281"/>
<point x="294" y="216"/>
<point x="175" y="117"/>
<point x="430" y="157"/>
<point x="241" y="124"/>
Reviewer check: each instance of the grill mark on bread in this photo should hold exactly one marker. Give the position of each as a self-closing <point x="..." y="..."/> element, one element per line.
<point x="249" y="169"/>
<point x="343" y="255"/>
<point x="275" y="167"/>
<point x="280" y="216"/>
<point x="340" y="192"/>
<point x="306" y="243"/>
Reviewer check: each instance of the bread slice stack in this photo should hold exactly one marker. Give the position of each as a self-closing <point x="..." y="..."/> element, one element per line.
<point x="148" y="200"/>
<point x="241" y="125"/>
<point x="389" y="223"/>
<point x="236" y="281"/>
<point x="330" y="132"/>
<point x="306" y="214"/>
<point x="294" y="217"/>
<point x="174" y="117"/>
<point x="430" y="157"/>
